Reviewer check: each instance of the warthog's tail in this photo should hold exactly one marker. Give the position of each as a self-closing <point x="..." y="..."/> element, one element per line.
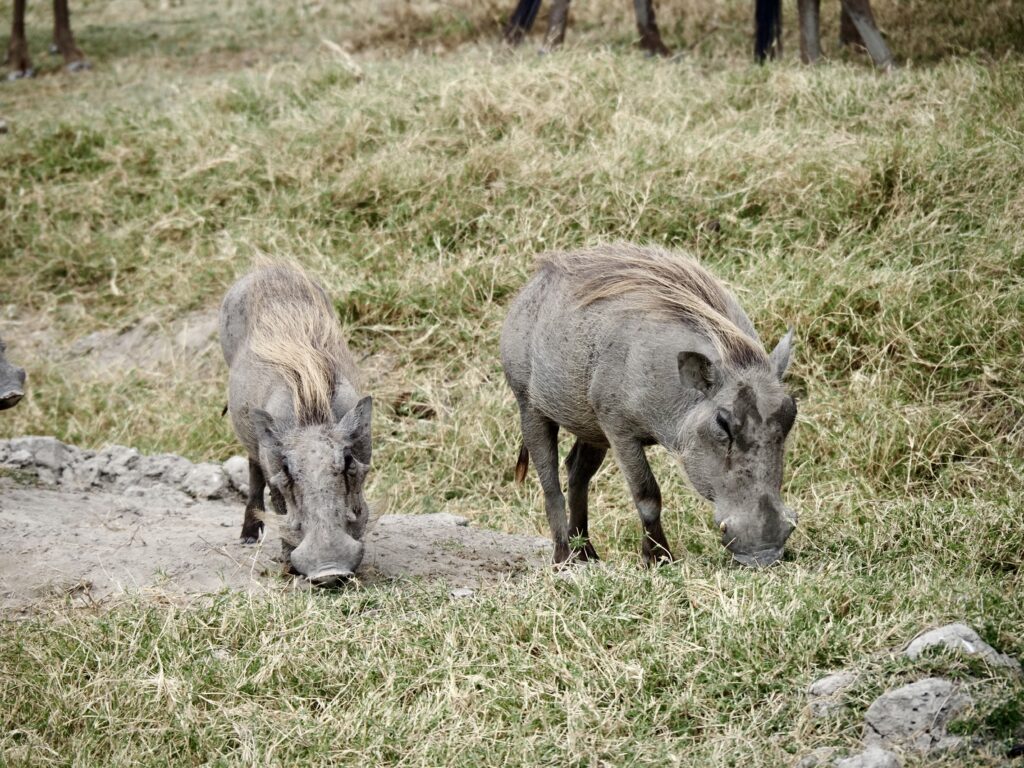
<point x="523" y="464"/>
<point x="767" y="29"/>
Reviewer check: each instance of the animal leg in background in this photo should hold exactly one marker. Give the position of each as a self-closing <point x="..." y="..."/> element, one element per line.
<point x="647" y="26"/>
<point x="632" y="460"/>
<point x="64" y="40"/>
<point x="583" y="461"/>
<point x="863" y="21"/>
<point x="557" y="22"/>
<point x="541" y="438"/>
<point x="767" y="30"/>
<point x="810" y="30"/>
<point x="521" y="21"/>
<point x="17" y="50"/>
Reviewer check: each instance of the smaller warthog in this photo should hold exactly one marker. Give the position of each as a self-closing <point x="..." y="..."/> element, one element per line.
<point x="12" y="381"/>
<point x="294" y="400"/>
<point x="627" y="347"/>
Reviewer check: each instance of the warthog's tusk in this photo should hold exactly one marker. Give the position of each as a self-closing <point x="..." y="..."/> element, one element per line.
<point x="722" y="526"/>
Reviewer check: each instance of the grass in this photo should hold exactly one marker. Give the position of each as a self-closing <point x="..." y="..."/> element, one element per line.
<point x="417" y="175"/>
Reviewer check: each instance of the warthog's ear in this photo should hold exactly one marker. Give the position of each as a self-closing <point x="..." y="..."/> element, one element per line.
<point x="354" y="429"/>
<point x="266" y="435"/>
<point x="779" y="357"/>
<point x="696" y="371"/>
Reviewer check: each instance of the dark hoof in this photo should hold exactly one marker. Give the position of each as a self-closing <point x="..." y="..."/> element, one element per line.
<point x="251" y="533"/>
<point x="585" y="554"/>
<point x="655" y="557"/>
<point x="82" y="65"/>
<point x="20" y="74"/>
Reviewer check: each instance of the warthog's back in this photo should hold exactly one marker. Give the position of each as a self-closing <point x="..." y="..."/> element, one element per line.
<point x="600" y="329"/>
<point x="284" y="349"/>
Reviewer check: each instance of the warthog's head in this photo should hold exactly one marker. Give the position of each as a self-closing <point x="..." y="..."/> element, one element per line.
<point x="734" y="444"/>
<point x="320" y="470"/>
<point x="12" y="381"/>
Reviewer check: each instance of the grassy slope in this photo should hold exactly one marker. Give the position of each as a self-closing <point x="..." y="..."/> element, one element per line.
<point x="879" y="216"/>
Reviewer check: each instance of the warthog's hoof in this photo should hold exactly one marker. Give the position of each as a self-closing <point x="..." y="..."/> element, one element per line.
<point x="251" y="532"/>
<point x="585" y="553"/>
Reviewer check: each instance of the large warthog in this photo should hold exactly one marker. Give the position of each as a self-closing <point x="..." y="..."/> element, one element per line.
<point x="12" y="381"/>
<point x="295" y="404"/>
<point x="625" y="347"/>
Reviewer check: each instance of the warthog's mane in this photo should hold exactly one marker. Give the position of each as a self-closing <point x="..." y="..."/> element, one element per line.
<point x="294" y="329"/>
<point x="663" y="282"/>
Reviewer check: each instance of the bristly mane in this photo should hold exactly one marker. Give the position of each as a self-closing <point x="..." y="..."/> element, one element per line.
<point x="660" y="281"/>
<point x="294" y="329"/>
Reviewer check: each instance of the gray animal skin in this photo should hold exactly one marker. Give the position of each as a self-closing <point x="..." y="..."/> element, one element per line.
<point x="12" y="381"/>
<point x="588" y="348"/>
<point x="282" y="344"/>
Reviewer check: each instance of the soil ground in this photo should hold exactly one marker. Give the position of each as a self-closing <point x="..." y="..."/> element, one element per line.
<point x="88" y="547"/>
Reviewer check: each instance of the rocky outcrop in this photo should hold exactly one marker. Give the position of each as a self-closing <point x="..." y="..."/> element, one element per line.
<point x="119" y="468"/>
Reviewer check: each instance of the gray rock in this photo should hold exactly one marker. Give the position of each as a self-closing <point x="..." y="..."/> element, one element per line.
<point x="462" y="592"/>
<point x="872" y="757"/>
<point x="120" y="461"/>
<point x="962" y="639"/>
<point x="915" y="716"/>
<point x="206" y="481"/>
<point x="167" y="468"/>
<point x="47" y="452"/>
<point x="20" y="458"/>
<point x="237" y="470"/>
<point x="825" y="694"/>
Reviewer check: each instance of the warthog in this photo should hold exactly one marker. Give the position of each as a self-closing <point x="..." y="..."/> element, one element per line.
<point x="12" y="381"/>
<point x="626" y="347"/>
<point x="295" y="404"/>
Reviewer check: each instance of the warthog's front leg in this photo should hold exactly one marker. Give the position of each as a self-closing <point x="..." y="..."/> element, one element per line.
<point x="629" y="454"/>
<point x="252" y="526"/>
<point x="582" y="462"/>
<point x="540" y="435"/>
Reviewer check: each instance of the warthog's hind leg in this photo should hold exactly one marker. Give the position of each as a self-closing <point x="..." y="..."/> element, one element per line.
<point x="646" y="495"/>
<point x="540" y="435"/>
<point x="583" y="461"/>
<point x="252" y="526"/>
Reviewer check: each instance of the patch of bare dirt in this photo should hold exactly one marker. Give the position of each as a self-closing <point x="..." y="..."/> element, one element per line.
<point x="88" y="526"/>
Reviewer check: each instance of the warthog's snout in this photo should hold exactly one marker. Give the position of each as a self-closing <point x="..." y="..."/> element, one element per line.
<point x="760" y="539"/>
<point x="759" y="559"/>
<point x="327" y="562"/>
<point x="10" y="398"/>
<point x="330" y="578"/>
<point x="11" y="392"/>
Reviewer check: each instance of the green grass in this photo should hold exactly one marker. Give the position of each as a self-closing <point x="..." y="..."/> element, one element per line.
<point x="879" y="216"/>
